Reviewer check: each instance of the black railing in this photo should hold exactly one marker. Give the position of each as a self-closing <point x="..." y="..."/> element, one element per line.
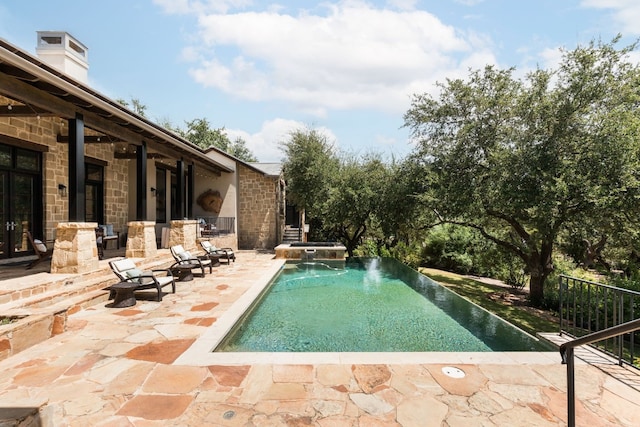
<point x="589" y="307"/>
<point x="216" y="225"/>
<point x="567" y="354"/>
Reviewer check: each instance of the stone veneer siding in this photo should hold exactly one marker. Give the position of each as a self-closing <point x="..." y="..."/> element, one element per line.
<point x="257" y="210"/>
<point x="44" y="131"/>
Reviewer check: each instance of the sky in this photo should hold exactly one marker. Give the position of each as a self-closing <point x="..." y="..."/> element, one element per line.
<point x="349" y="68"/>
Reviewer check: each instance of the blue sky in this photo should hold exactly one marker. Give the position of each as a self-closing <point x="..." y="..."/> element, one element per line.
<point x="262" y="69"/>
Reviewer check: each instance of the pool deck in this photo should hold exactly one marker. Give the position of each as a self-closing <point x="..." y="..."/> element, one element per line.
<point x="143" y="366"/>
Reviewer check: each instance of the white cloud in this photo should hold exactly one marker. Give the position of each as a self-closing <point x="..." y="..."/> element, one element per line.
<point x="354" y="56"/>
<point x="265" y="144"/>
<point x="625" y="12"/>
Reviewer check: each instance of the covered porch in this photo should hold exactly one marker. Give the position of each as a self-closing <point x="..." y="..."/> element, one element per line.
<point x="72" y="159"/>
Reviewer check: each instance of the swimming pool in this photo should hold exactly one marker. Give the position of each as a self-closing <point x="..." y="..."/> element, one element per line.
<point x="369" y="305"/>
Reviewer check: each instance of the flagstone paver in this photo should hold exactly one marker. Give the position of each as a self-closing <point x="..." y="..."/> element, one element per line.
<point x="117" y="368"/>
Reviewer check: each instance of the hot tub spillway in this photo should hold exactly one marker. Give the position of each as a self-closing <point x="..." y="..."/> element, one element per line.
<point x="309" y="254"/>
<point x="311" y="251"/>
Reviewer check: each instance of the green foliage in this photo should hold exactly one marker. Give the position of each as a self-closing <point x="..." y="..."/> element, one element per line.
<point x="408" y="254"/>
<point x="521" y="160"/>
<point x="238" y="149"/>
<point x="464" y="250"/>
<point x="136" y="106"/>
<point x="352" y="203"/>
<point x="368" y="249"/>
<point x="309" y="166"/>
<point x="200" y="133"/>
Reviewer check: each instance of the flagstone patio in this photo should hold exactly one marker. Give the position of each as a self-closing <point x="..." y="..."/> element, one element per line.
<point x="116" y="367"/>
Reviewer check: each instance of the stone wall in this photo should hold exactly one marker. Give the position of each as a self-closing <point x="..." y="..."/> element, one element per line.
<point x="257" y="210"/>
<point x="44" y="131"/>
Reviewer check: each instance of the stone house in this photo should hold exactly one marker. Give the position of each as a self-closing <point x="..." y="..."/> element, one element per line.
<point x="72" y="159"/>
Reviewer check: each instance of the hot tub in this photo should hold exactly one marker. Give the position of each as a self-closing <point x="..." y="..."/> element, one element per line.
<point x="311" y="250"/>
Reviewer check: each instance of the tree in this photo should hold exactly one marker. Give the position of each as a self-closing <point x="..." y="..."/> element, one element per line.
<point x="309" y="165"/>
<point x="353" y="202"/>
<point x="400" y="217"/>
<point x="200" y="133"/>
<point x="238" y="148"/>
<point x="520" y="160"/>
<point x="136" y="106"/>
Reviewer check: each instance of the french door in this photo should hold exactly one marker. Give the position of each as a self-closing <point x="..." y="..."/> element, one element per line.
<point x="20" y="200"/>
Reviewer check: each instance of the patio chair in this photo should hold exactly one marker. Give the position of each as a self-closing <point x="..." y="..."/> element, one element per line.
<point x="100" y="242"/>
<point x="109" y="234"/>
<point x="127" y="271"/>
<point x="211" y="249"/>
<point x="184" y="257"/>
<point x="41" y="250"/>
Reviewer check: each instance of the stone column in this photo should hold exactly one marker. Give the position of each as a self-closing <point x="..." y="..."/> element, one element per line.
<point x="141" y="239"/>
<point x="183" y="232"/>
<point x="75" y="249"/>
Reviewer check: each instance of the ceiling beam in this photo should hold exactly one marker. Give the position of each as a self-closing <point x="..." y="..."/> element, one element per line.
<point x="10" y="110"/>
<point x="129" y="155"/>
<point x="92" y="139"/>
<point x="26" y="93"/>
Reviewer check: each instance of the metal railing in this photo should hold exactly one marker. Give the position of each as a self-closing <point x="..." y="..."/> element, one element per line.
<point x="217" y="225"/>
<point x="567" y="354"/>
<point x="588" y="307"/>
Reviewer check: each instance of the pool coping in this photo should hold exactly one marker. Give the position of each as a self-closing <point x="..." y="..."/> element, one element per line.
<point x="200" y="353"/>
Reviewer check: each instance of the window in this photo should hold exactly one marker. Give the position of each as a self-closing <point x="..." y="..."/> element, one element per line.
<point x="94" y="193"/>
<point x="27" y="160"/>
<point x="161" y="195"/>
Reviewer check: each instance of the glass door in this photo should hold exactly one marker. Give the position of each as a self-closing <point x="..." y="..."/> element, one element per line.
<point x="94" y="193"/>
<point x="21" y="213"/>
<point x="4" y="244"/>
<point x="20" y="200"/>
<point x="16" y="213"/>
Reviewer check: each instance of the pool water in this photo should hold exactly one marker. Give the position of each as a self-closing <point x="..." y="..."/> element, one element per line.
<point x="370" y="305"/>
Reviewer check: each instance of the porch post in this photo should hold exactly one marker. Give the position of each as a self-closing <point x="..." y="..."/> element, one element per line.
<point x="191" y="177"/>
<point x="141" y="239"/>
<point x="179" y="189"/>
<point x="141" y="182"/>
<point x="75" y="249"/>
<point x="183" y="232"/>
<point x="76" y="170"/>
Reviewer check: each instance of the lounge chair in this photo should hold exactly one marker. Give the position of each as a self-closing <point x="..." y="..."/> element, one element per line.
<point x="127" y="271"/>
<point x="184" y="257"/>
<point x="226" y="253"/>
<point x="40" y="249"/>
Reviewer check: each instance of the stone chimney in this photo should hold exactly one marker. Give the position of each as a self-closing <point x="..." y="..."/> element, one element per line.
<point x="62" y="51"/>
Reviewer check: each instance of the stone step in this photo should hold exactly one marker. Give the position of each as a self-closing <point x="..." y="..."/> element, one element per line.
<point x="41" y="303"/>
<point x="23" y="287"/>
<point x="55" y="294"/>
<point x="32" y="289"/>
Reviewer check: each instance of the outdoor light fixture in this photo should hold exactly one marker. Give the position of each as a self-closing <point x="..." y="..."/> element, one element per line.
<point x="62" y="190"/>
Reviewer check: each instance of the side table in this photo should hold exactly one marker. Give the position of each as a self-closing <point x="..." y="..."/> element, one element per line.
<point x="124" y="296"/>
<point x="183" y="271"/>
<point x="215" y="259"/>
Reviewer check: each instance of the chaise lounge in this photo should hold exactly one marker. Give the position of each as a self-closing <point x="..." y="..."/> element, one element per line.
<point x="185" y="258"/>
<point x="225" y="253"/>
<point x="127" y="271"/>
